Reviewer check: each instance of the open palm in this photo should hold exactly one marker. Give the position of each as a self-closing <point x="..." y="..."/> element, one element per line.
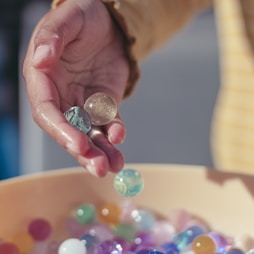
<point x="75" y="51"/>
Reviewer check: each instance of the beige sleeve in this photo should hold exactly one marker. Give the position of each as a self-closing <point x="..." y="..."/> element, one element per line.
<point x="147" y="24"/>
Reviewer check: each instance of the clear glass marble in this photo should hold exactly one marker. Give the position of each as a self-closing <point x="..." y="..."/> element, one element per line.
<point x="78" y="118"/>
<point x="101" y="107"/>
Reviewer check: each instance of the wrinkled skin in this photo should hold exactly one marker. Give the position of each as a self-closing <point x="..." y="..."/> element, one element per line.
<point x="75" y="51"/>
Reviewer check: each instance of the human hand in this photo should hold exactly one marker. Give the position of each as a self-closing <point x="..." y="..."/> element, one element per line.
<point x="75" y="51"/>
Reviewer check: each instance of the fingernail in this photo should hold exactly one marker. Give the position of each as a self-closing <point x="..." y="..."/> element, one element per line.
<point x="116" y="140"/>
<point x="116" y="137"/>
<point x="73" y="149"/>
<point x="41" y="52"/>
<point x="91" y="169"/>
<point x="88" y="166"/>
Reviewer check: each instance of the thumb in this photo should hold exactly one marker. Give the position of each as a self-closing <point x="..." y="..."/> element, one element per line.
<point x="54" y="32"/>
<point x="48" y="47"/>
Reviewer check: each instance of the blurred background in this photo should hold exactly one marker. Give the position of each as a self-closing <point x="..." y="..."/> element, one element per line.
<point x="168" y="118"/>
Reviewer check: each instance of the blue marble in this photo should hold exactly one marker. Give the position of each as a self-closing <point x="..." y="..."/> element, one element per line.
<point x="128" y="183"/>
<point x="183" y="239"/>
<point x="234" y="251"/>
<point x="149" y="251"/>
<point x="89" y="240"/>
<point x="78" y="118"/>
<point x="170" y="248"/>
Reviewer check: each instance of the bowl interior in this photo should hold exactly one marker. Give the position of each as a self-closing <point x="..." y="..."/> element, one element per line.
<point x="225" y="200"/>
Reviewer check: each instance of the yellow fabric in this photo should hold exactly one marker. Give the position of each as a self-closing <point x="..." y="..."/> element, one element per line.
<point x="149" y="23"/>
<point x="233" y="125"/>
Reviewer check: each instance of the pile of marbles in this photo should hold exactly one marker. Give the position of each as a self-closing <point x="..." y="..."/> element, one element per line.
<point x="124" y="228"/>
<point x="111" y="228"/>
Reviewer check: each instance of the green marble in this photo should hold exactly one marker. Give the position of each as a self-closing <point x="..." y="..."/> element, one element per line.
<point x="86" y="214"/>
<point x="125" y="230"/>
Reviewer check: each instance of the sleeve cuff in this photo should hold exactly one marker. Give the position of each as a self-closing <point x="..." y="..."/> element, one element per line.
<point x="129" y="41"/>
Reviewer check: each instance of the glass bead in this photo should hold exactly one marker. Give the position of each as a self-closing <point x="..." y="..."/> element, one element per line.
<point x="143" y="240"/>
<point x="86" y="214"/>
<point x="109" y="213"/>
<point x="40" y="229"/>
<point x="220" y="241"/>
<point x="127" y="207"/>
<point x="8" y="248"/>
<point x="203" y="244"/>
<point x="108" y="247"/>
<point x="234" y="251"/>
<point x="125" y="230"/>
<point x="163" y="231"/>
<point x="143" y="220"/>
<point x="78" y="118"/>
<point x="102" y="232"/>
<point x="124" y="243"/>
<point x="180" y="219"/>
<point x="128" y="183"/>
<point x="71" y="246"/>
<point x="184" y="238"/>
<point x="23" y="241"/>
<point x="75" y="229"/>
<point x="89" y="240"/>
<point x="101" y="107"/>
<point x="170" y="248"/>
<point x="149" y="251"/>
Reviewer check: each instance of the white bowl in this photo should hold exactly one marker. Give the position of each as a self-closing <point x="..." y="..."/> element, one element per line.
<point x="224" y="200"/>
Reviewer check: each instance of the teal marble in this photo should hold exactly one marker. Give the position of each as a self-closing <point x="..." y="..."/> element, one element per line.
<point x="78" y="118"/>
<point x="128" y="183"/>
